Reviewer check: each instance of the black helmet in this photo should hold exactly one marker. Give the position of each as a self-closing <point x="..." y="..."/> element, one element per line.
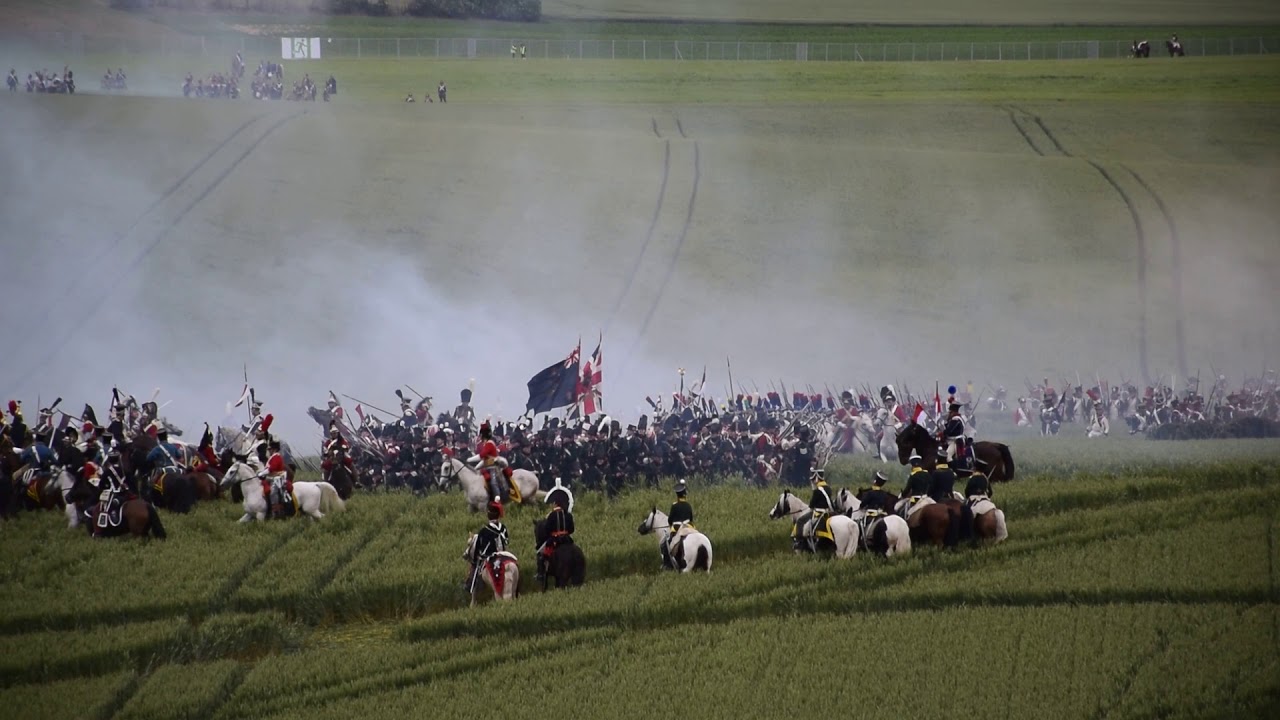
<point x="681" y="488"/>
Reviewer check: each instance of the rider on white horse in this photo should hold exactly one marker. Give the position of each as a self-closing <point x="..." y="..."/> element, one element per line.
<point x="681" y="521"/>
<point x="491" y="540"/>
<point x="820" y="506"/>
<point x="494" y="467"/>
<point x="276" y="487"/>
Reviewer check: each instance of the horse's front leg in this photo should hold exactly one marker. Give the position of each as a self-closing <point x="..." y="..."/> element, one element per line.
<point x="73" y="516"/>
<point x="247" y="517"/>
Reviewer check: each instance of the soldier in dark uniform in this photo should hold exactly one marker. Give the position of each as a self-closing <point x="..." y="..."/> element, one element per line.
<point x="18" y="428"/>
<point x="943" y="480"/>
<point x="953" y="432"/>
<point x="492" y="539"/>
<point x="70" y="456"/>
<point x="800" y="458"/>
<point x="976" y="486"/>
<point x="559" y="526"/>
<point x="680" y="517"/>
<point x="877" y="497"/>
<point x="919" y="481"/>
<point x="820" y="505"/>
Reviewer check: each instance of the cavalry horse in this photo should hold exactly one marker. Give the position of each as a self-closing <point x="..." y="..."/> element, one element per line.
<point x="567" y="564"/>
<point x="311" y="498"/>
<point x="137" y="517"/>
<point x="880" y="531"/>
<point x="844" y="531"/>
<point x="477" y="490"/>
<point x="501" y="573"/>
<point x="343" y="479"/>
<point x="993" y="458"/>
<point x="694" y="549"/>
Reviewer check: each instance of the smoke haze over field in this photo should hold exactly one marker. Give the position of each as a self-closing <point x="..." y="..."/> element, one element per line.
<point x="157" y="243"/>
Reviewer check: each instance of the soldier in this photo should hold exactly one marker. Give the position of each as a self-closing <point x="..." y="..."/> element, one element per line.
<point x="820" y="506"/>
<point x="953" y="432"/>
<point x="70" y="456"/>
<point x="495" y="468"/>
<point x="335" y="450"/>
<point x="522" y="51"/>
<point x="17" y="428"/>
<point x="513" y="51"/>
<point x="977" y="487"/>
<point x="559" y="526"/>
<point x="441" y="91"/>
<point x="490" y="540"/>
<point x="464" y="415"/>
<point x="113" y="492"/>
<point x="919" y="481"/>
<point x="877" y="497"/>
<point x="276" y="487"/>
<point x="208" y="458"/>
<point x="943" y="480"/>
<point x="680" y="520"/>
<point x="1100" y="425"/>
<point x="163" y="458"/>
<point x="37" y="456"/>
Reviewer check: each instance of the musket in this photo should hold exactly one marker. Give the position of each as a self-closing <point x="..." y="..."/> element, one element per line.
<point x="369" y="405"/>
<point x="729" y="366"/>
<point x="415" y="392"/>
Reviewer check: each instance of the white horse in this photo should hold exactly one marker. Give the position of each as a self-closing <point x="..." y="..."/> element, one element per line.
<point x="897" y="534"/>
<point x="888" y="425"/>
<point x="475" y="488"/>
<point x="844" y="531"/>
<point x="693" y="544"/>
<point x="502" y="569"/>
<point x="314" y="498"/>
<point x="64" y="483"/>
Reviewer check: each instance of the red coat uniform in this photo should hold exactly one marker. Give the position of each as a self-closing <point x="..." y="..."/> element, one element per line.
<point x="275" y="464"/>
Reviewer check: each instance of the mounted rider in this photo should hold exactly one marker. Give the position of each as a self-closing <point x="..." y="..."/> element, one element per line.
<point x="207" y="457"/>
<point x="680" y="522"/>
<point x="164" y="459"/>
<point x="336" y="451"/>
<point x="558" y="525"/>
<point x="953" y="433"/>
<point x="494" y="468"/>
<point x="113" y="492"/>
<point x="277" y="489"/>
<point x="877" y="496"/>
<point x="70" y="456"/>
<point x="919" y="482"/>
<point x="17" y="428"/>
<point x="942" y="482"/>
<point x="976" y="489"/>
<point x="37" y="459"/>
<point x="820" y="508"/>
<point x="490" y="540"/>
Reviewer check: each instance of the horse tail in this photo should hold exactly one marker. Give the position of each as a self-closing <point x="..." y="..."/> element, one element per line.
<point x="702" y="558"/>
<point x="329" y="498"/>
<point x="153" y="523"/>
<point x="1007" y="458"/>
<point x="1002" y="531"/>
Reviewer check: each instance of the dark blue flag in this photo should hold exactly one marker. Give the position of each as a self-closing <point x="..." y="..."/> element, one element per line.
<point x="556" y="386"/>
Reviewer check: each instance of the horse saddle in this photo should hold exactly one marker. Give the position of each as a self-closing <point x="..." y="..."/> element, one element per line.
<point x="822" y="527"/>
<point x="872" y="530"/>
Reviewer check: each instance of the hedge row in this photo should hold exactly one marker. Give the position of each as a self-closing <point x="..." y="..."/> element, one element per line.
<point x="519" y="10"/>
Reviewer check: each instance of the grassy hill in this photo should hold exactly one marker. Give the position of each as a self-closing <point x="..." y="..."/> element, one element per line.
<point x="1109" y="593"/>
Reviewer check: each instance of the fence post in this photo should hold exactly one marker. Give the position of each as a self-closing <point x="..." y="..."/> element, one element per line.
<point x="397" y="48"/>
<point x="358" y="50"/>
<point x="644" y="49"/>
<point x="739" y="55"/>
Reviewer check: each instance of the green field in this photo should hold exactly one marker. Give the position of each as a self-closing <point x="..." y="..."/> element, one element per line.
<point x="1115" y="585"/>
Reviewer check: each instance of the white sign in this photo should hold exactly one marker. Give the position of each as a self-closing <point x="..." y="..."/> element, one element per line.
<point x="300" y="48"/>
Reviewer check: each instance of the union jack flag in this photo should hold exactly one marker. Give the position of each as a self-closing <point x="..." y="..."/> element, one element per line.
<point x="589" y="390"/>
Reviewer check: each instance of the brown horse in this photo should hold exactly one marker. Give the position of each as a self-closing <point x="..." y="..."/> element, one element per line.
<point x="342" y="479"/>
<point x="937" y="524"/>
<point x="138" y="517"/>
<point x="992" y="458"/>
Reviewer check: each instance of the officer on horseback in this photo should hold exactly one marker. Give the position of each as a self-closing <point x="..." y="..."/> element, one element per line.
<point x="953" y="432"/>
<point x="113" y="491"/>
<point x="558" y="526"/>
<point x="335" y="450"/>
<point x="977" y="487"/>
<point x="495" y="468"/>
<point x="163" y="458"/>
<point x="492" y="539"/>
<point x="276" y="488"/>
<point x="680" y="520"/>
<point x="37" y="460"/>
<point x="877" y="496"/>
<point x="820" y="506"/>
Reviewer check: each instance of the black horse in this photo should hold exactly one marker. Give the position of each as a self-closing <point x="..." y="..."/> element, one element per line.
<point x="1140" y="49"/>
<point x="567" y="565"/>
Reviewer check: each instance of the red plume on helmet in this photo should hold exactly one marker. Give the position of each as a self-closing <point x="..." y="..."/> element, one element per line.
<point x="89" y="470"/>
<point x="266" y="422"/>
<point x="13" y="407"/>
<point x="495" y="505"/>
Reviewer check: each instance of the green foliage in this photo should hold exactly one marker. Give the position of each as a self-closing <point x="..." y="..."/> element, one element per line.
<point x="180" y="692"/>
<point x="73" y="697"/>
<point x="523" y="10"/>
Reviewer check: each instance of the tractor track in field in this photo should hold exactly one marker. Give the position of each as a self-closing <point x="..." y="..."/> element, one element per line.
<point x="1175" y="260"/>
<point x="1013" y="118"/>
<point x="121" y="698"/>
<point x="156" y="213"/>
<point x="648" y="238"/>
<point x="1142" y="264"/>
<point x="655" y="263"/>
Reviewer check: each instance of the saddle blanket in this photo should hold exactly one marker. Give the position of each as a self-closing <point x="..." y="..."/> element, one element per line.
<point x="981" y="505"/>
<point x="912" y="505"/>
<point x="494" y="567"/>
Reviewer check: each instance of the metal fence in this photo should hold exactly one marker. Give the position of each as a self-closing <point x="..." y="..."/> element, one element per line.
<point x="255" y="48"/>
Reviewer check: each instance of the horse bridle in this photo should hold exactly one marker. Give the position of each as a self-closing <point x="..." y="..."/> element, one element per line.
<point x="454" y="475"/>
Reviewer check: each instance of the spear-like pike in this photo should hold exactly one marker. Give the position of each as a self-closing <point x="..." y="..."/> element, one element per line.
<point x="371" y="406"/>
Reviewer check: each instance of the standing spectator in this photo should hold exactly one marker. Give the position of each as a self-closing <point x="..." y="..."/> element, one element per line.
<point x="442" y="91"/>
